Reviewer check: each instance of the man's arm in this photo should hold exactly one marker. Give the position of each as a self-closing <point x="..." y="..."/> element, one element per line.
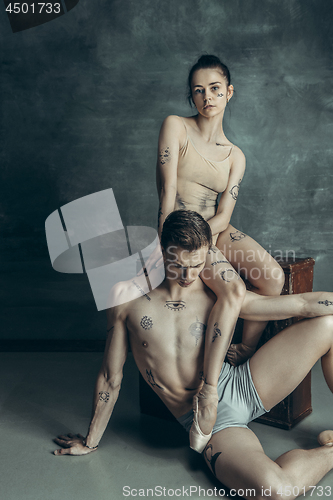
<point x="106" y="390"/>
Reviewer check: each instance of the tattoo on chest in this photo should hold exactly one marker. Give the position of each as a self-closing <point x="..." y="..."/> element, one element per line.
<point x="219" y="262"/>
<point x="151" y="380"/>
<point x="237" y="236"/>
<point x="165" y="156"/>
<point x="217" y="332"/>
<point x="143" y="293"/>
<point x="178" y="305"/>
<point x="326" y="302"/>
<point x="198" y="330"/>
<point x="228" y="274"/>
<point x="235" y="189"/>
<point x="211" y="459"/>
<point x="104" y="396"/>
<point x="146" y="322"/>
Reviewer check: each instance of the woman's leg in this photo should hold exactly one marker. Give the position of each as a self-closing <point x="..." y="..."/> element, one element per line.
<point x="266" y="276"/>
<point x="229" y="289"/>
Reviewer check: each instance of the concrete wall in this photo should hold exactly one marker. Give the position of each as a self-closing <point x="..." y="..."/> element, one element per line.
<point x="82" y="100"/>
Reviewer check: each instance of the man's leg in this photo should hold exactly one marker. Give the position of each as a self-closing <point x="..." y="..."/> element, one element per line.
<point x="281" y="364"/>
<point x="237" y="459"/>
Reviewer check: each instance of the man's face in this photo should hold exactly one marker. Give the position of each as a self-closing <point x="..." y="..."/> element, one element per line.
<point x="183" y="266"/>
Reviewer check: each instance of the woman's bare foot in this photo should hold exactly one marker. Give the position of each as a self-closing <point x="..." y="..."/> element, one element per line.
<point x="239" y="353"/>
<point x="325" y="438"/>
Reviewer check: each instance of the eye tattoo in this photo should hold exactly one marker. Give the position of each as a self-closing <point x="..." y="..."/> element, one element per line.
<point x="219" y="262"/>
<point x="211" y="459"/>
<point x="146" y="323"/>
<point x="104" y="396"/>
<point x="175" y="306"/>
<point x="237" y="236"/>
<point x="226" y="276"/>
<point x="234" y="190"/>
<point x="151" y="380"/>
<point x="217" y="332"/>
<point x="165" y="156"/>
<point x="198" y="330"/>
<point x="326" y="303"/>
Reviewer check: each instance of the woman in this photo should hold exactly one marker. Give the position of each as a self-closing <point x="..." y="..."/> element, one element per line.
<point x="196" y="163"/>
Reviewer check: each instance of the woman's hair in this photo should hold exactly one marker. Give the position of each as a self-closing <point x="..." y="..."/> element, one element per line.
<point x="204" y="62"/>
<point x="186" y="229"/>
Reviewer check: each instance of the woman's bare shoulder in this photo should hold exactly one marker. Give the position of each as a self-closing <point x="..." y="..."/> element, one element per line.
<point x="237" y="154"/>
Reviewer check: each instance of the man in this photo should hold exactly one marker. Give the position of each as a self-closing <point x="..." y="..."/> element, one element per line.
<point x="166" y="332"/>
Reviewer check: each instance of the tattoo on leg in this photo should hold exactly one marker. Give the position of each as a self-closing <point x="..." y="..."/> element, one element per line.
<point x="109" y="329"/>
<point x="178" y="305"/>
<point x="146" y="322"/>
<point x="198" y="330"/>
<point x="227" y="275"/>
<point x="151" y="380"/>
<point x="237" y="236"/>
<point x="235" y="189"/>
<point x="211" y="459"/>
<point x="104" y="396"/>
<point x="219" y="262"/>
<point x="326" y="302"/>
<point x="217" y="332"/>
<point x="165" y="156"/>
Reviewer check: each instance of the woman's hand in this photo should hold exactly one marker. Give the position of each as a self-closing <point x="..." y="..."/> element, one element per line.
<point x="72" y="444"/>
<point x="154" y="260"/>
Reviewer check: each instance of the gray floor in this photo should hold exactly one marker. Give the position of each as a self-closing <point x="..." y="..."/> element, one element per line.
<point x="44" y="394"/>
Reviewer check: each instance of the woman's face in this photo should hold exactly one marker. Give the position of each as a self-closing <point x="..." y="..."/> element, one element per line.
<point x="210" y="92"/>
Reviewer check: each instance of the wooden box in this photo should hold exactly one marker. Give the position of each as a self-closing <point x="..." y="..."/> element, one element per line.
<point x="298" y="279"/>
<point x="296" y="406"/>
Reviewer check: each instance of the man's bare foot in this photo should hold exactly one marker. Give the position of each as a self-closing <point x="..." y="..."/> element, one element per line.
<point x="239" y="353"/>
<point x="205" y="412"/>
<point x="325" y="438"/>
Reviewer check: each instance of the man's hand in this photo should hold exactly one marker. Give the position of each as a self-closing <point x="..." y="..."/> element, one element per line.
<point x="72" y="444"/>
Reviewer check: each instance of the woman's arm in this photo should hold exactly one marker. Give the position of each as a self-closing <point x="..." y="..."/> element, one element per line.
<point x="220" y="221"/>
<point x="172" y="131"/>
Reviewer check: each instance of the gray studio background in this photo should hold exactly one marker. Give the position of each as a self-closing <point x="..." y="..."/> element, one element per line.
<point x="82" y="101"/>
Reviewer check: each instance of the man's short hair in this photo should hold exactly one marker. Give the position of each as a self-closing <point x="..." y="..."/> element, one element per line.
<point x="186" y="229"/>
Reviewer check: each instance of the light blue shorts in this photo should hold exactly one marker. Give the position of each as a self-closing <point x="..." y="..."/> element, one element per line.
<point x="239" y="402"/>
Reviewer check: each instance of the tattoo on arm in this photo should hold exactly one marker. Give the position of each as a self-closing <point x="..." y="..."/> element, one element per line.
<point x="235" y="189"/>
<point x="237" y="236"/>
<point x="143" y="293"/>
<point x="228" y="274"/>
<point x="165" y="156"/>
<point x="109" y="330"/>
<point x="159" y="215"/>
<point x="213" y="250"/>
<point x="198" y="330"/>
<point x="104" y="396"/>
<point x="178" y="305"/>
<point x="217" y="332"/>
<point x="146" y="322"/>
<point x="151" y="380"/>
<point x="326" y="302"/>
<point x="219" y="262"/>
